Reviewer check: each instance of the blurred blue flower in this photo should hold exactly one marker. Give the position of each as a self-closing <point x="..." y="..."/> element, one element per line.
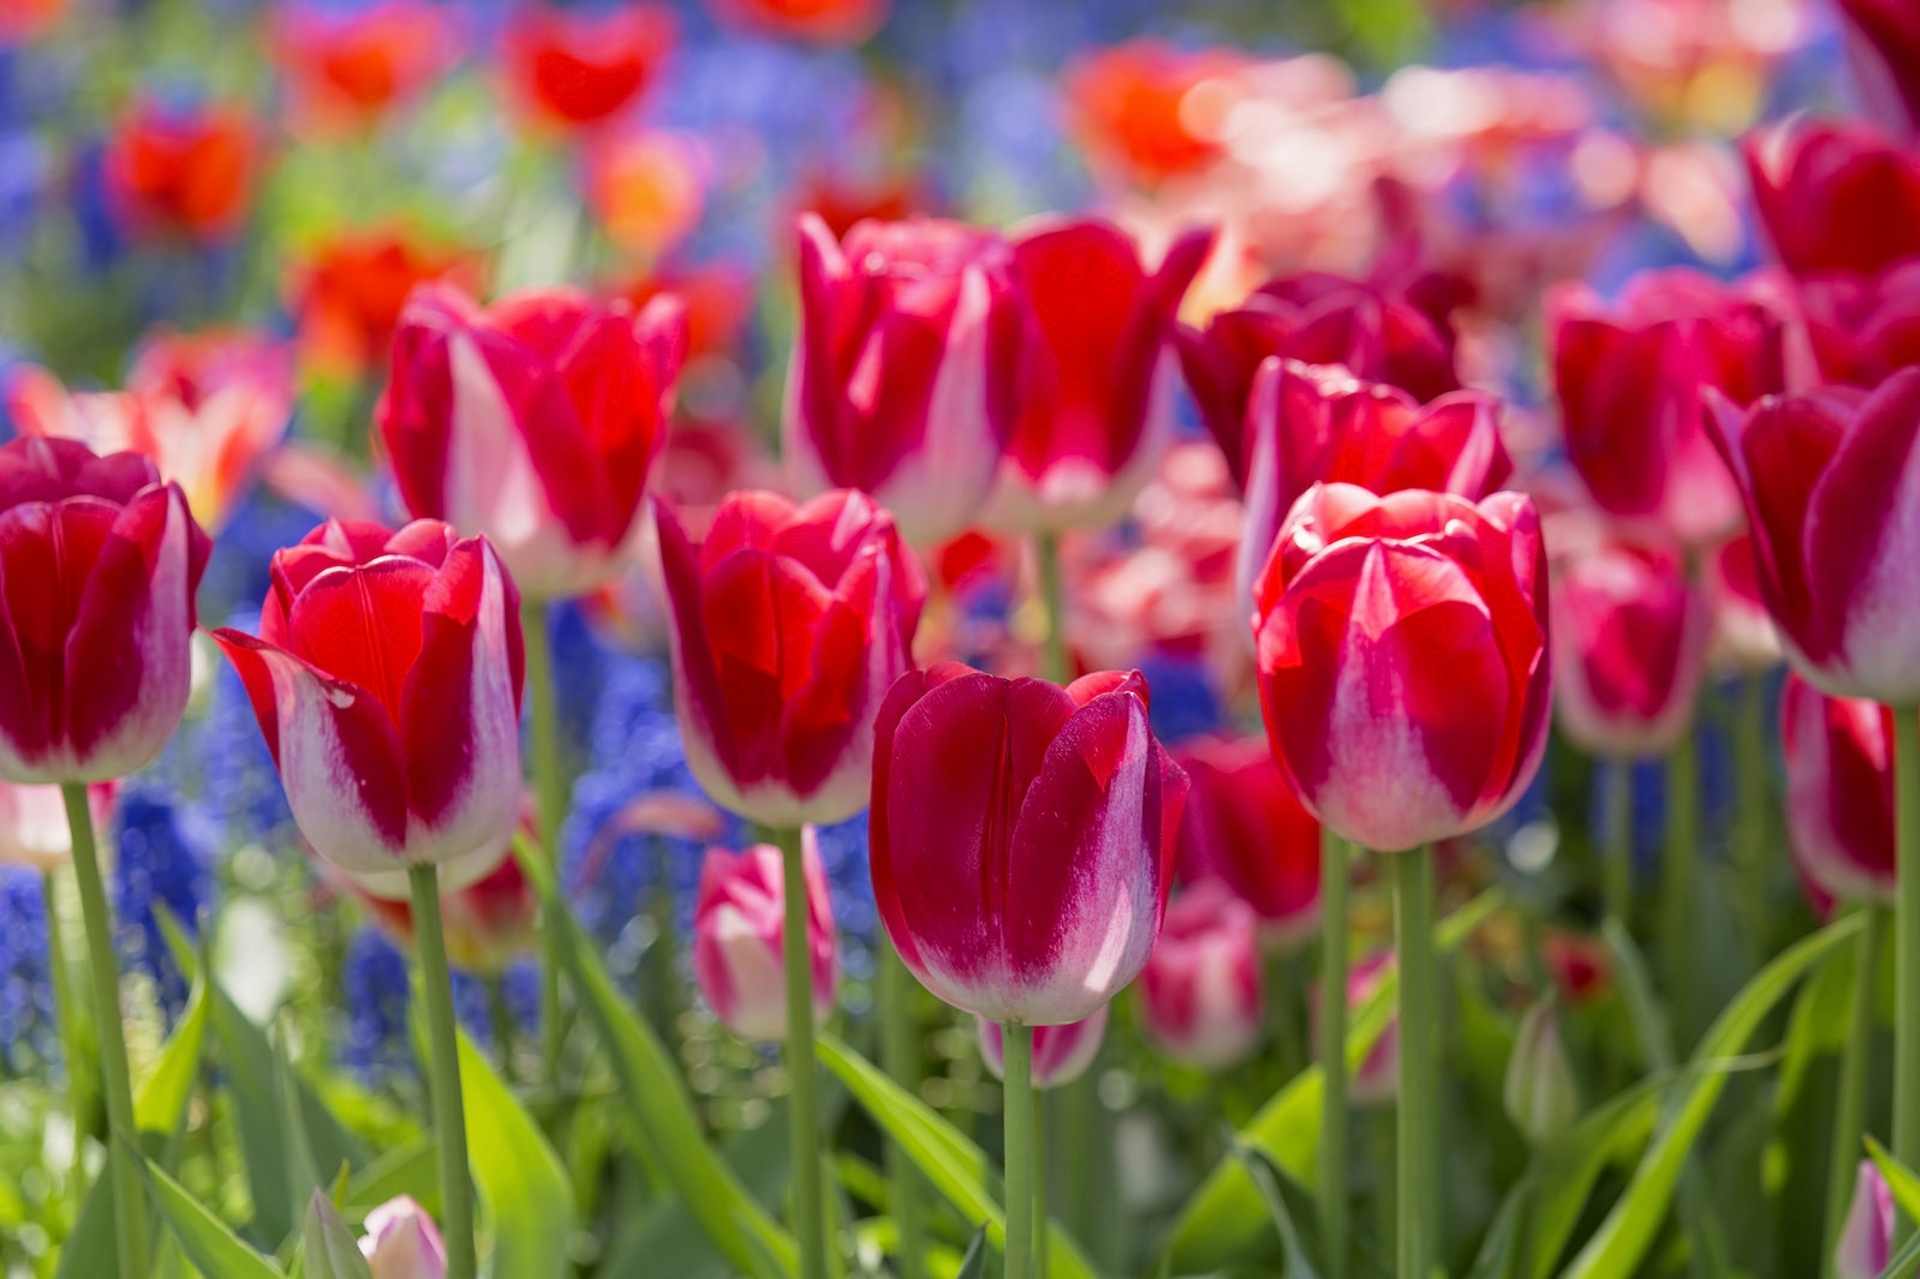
<point x="27" y="1030"/>
<point x="373" y="987"/>
<point x="165" y="855"/>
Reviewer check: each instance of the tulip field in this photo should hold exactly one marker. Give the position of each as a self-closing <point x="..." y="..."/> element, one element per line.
<point x="945" y="639"/>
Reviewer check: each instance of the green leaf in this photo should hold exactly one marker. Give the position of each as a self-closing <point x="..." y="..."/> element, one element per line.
<point x="1266" y="1175"/>
<point x="1566" y="1169"/>
<point x="521" y="1179"/>
<point x="1620" y="1245"/>
<point x="209" y="1243"/>
<point x="955" y="1166"/>
<point x="1500" y="1253"/>
<point x="654" y="1104"/>
<point x="1226" y="1218"/>
<point x="412" y="1170"/>
<point x="974" y="1264"/>
<point x="331" y="1250"/>
<point x="1900" y="1179"/>
<point x="161" y="1099"/>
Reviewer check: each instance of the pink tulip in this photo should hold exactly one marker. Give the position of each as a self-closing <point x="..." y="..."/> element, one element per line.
<point x="1246" y="828"/>
<point x="1309" y="423"/>
<point x="488" y="924"/>
<point x="1061" y="1054"/>
<point x="906" y="372"/>
<point x="1097" y="409"/>
<point x="1839" y="791"/>
<point x="1630" y="638"/>
<point x="1200" y="993"/>
<point x="1835" y="197"/>
<point x="1401" y="643"/>
<point x="1022" y="838"/>
<point x="402" y="1242"/>
<point x="99" y="562"/>
<point x="533" y="422"/>
<point x="1834" y="506"/>
<point x="1865" y="1245"/>
<point x="1629" y="380"/>
<point x="790" y="623"/>
<point x="1744" y="638"/>
<point x="1863" y="329"/>
<point x="739" y="931"/>
<point x="33" y="823"/>
<point x="1884" y="41"/>
<point x="386" y="678"/>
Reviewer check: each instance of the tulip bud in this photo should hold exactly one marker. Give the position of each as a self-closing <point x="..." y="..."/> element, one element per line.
<point x="1542" y="1098"/>
<point x="739" y="938"/>
<point x="1865" y="1246"/>
<point x="790" y="623"/>
<point x="402" y="1242"/>
<point x="533" y="422"/>
<point x="99" y="562"/>
<point x="1833" y="505"/>
<point x="1401" y="643"/>
<point x="906" y="371"/>
<point x="1245" y="828"/>
<point x="1200" y="993"/>
<point x="1839" y="753"/>
<point x="33" y="823"/>
<point x="1061" y="1054"/>
<point x="386" y="678"/>
<point x="1022" y="838"/>
<point x="331" y="1251"/>
<point x="1096" y="410"/>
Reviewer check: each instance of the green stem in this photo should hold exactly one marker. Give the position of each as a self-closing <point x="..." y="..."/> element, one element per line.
<point x="1017" y="1054"/>
<point x="550" y="796"/>
<point x="1419" y="1107"/>
<point x="900" y="1054"/>
<point x="129" y="1196"/>
<point x="803" y="1109"/>
<point x="1334" y="940"/>
<point x="1046" y="549"/>
<point x="1906" y="929"/>
<point x="1616" y="869"/>
<point x="1078" y="1115"/>
<point x="1850" y="1107"/>
<point x="1040" y="1219"/>
<point x="443" y="1064"/>
<point x="1753" y="795"/>
<point x="66" y="1016"/>
<point x="1681" y="867"/>
<point x="502" y="1018"/>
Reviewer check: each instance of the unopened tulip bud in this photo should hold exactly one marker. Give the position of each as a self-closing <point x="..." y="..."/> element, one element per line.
<point x="1866" y="1240"/>
<point x="402" y="1243"/>
<point x="1542" y="1097"/>
<point x="1061" y="1054"/>
<point x="739" y="935"/>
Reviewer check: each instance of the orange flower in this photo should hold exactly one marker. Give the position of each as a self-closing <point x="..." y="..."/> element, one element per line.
<point x="349" y="292"/>
<point x="1129" y="109"/>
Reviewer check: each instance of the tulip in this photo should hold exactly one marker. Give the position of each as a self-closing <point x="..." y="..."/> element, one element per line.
<point x="1865" y="1245"/>
<point x="906" y="368"/>
<point x="33" y="824"/>
<point x="352" y="67"/>
<point x="1126" y="107"/>
<point x="1381" y="335"/>
<point x="99" y="562"/>
<point x="1061" y="1054"/>
<point x="1839" y="791"/>
<point x="790" y="623"/>
<point x="1246" y="829"/>
<point x="349" y="292"/>
<point x="1629" y="386"/>
<point x="739" y="935"/>
<point x="386" y="678"/>
<point x="1542" y="1097"/>
<point x="1835" y="197"/>
<point x="1743" y="635"/>
<point x="1863" y="329"/>
<point x="1884" y="41"/>
<point x="533" y="422"/>
<point x="1401" y="645"/>
<point x="489" y="923"/>
<point x="402" y="1243"/>
<point x="1022" y="838"/>
<point x="1630" y="638"/>
<point x="184" y="173"/>
<point x="1825" y="478"/>
<point x="818" y="22"/>
<point x="1200" y="993"/>
<point x="578" y="69"/>
<point x="1097" y="410"/>
<point x="1311" y="423"/>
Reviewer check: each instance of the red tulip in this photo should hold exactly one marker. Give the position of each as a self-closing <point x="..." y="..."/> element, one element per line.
<point x="578" y="69"/>
<point x="1744" y="638"/>
<point x="1401" y="642"/>
<point x="1247" y="829"/>
<point x="386" y="678"/>
<point x="820" y="22"/>
<point x="1097" y="409"/>
<point x="1629" y="384"/>
<point x="1307" y="424"/>
<point x="33" y="823"/>
<point x="789" y="626"/>
<point x="352" y="66"/>
<point x="905" y="372"/>
<point x="1061" y="1054"/>
<point x="1630" y="638"/>
<point x="1200" y="993"/>
<point x="1839" y="791"/>
<point x="1022" y="838"/>
<point x="1864" y="329"/>
<point x="488" y="923"/>
<point x="1885" y="44"/>
<point x="534" y="422"/>
<point x="1380" y="334"/>
<point x="99" y="562"/>
<point x="1126" y="106"/>
<point x="1834" y="506"/>
<point x="349" y="292"/>
<point x="739" y="931"/>
<point x="1835" y="197"/>
<point x="182" y="172"/>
